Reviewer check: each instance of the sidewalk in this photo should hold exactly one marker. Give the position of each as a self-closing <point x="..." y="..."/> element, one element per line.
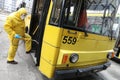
<point x="3" y="16"/>
<point x="25" y="69"/>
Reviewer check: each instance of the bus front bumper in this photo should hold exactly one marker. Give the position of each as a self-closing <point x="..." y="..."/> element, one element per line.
<point x="77" y="72"/>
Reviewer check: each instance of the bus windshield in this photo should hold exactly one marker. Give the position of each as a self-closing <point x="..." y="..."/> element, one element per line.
<point x="93" y="16"/>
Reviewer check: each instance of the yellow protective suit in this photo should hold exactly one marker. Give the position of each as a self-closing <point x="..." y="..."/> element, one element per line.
<point x="15" y="25"/>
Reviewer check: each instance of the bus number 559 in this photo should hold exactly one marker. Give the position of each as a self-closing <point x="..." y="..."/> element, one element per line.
<point x="69" y="40"/>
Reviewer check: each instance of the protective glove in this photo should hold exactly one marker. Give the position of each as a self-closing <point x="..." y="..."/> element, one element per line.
<point x="17" y="36"/>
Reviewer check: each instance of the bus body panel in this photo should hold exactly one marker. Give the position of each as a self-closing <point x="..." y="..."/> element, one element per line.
<point x="53" y="34"/>
<point x="50" y="50"/>
<point x="46" y="68"/>
<point x="92" y="50"/>
<point x="50" y="46"/>
<point x="92" y="42"/>
<point x="85" y="57"/>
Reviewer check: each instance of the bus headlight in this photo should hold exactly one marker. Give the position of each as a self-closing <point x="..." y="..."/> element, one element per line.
<point x="74" y="58"/>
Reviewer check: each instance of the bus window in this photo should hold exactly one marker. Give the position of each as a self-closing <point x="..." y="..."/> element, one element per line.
<point x="89" y="16"/>
<point x="71" y="12"/>
<point x="55" y="12"/>
<point x="98" y="16"/>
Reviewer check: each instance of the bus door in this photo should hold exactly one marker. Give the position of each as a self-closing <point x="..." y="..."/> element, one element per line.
<point x="37" y="25"/>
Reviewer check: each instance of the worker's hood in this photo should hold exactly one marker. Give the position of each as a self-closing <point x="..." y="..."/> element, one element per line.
<point x="20" y="12"/>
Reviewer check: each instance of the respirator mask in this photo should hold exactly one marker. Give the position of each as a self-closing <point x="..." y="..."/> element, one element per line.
<point x="23" y="16"/>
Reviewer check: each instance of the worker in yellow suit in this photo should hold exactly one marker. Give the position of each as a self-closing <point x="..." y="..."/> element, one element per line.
<point x="15" y="27"/>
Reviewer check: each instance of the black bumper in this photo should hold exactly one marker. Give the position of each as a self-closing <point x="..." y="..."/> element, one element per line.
<point x="76" y="72"/>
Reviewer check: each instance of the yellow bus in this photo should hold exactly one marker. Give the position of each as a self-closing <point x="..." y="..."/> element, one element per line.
<point x="67" y="40"/>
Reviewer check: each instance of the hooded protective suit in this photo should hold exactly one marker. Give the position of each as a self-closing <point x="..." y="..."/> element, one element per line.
<point x="15" y="25"/>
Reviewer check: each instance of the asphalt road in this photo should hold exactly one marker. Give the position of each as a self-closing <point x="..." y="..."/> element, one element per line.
<point x="27" y="70"/>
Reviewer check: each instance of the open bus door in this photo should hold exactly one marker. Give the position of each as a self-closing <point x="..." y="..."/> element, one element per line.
<point x="65" y="46"/>
<point x="37" y="25"/>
